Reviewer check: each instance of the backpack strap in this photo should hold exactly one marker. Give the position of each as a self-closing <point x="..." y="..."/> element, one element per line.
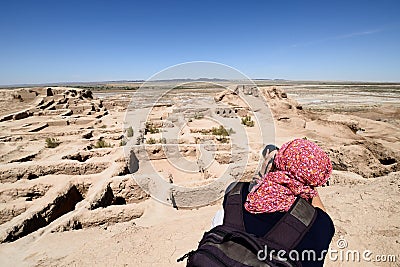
<point x="233" y="206"/>
<point x="289" y="231"/>
<point x="286" y="234"/>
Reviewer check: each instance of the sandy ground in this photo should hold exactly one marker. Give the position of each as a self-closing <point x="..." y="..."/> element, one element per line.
<point x="78" y="205"/>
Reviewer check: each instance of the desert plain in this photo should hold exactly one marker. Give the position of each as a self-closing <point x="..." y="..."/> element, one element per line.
<point x="78" y="163"/>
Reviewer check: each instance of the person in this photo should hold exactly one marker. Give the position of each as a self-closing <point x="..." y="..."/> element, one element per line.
<point x="298" y="167"/>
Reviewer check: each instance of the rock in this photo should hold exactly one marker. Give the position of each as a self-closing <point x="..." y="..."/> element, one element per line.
<point x="49" y="92"/>
<point x="223" y="158"/>
<point x="87" y="135"/>
<point x="7" y="212"/>
<point x="283" y="118"/>
<point x="38" y="128"/>
<point x="87" y="94"/>
<point x="103" y="198"/>
<point x="25" y="158"/>
<point x="12" y="174"/>
<point x="221" y="95"/>
<point x="67" y="113"/>
<point x="102" y="217"/>
<point x="46" y="105"/>
<point x="63" y="203"/>
<point x="58" y="123"/>
<point x="117" y="137"/>
<point x="22" y="115"/>
<point x="6" y="117"/>
<point x="128" y="189"/>
<point x="80" y="156"/>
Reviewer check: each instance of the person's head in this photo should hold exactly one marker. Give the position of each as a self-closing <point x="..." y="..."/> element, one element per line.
<point x="300" y="165"/>
<point x="304" y="161"/>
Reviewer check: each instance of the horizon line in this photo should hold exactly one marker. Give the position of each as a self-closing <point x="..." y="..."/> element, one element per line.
<point x="188" y="79"/>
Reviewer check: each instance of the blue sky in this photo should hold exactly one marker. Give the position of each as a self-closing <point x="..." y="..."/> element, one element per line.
<point x="57" y="41"/>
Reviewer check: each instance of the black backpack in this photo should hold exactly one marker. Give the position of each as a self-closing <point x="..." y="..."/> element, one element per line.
<point x="229" y="244"/>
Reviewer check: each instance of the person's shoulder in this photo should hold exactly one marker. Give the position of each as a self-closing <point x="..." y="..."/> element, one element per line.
<point x="324" y="221"/>
<point x="320" y="234"/>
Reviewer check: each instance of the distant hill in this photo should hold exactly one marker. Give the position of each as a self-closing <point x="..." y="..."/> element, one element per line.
<point x="187" y="80"/>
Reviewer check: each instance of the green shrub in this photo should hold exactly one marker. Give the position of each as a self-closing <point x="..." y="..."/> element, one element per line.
<point x="52" y="142"/>
<point x="129" y="132"/>
<point x="122" y="142"/>
<point x="198" y="116"/>
<point x="151" y="129"/>
<point x="205" y="131"/>
<point x="221" y="131"/>
<point x="102" y="144"/>
<point x="151" y="141"/>
<point x="248" y="121"/>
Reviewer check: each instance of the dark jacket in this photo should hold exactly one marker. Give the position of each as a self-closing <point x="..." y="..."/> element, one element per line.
<point x="317" y="239"/>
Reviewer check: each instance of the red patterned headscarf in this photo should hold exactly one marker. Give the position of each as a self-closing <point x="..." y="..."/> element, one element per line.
<point x="300" y="165"/>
